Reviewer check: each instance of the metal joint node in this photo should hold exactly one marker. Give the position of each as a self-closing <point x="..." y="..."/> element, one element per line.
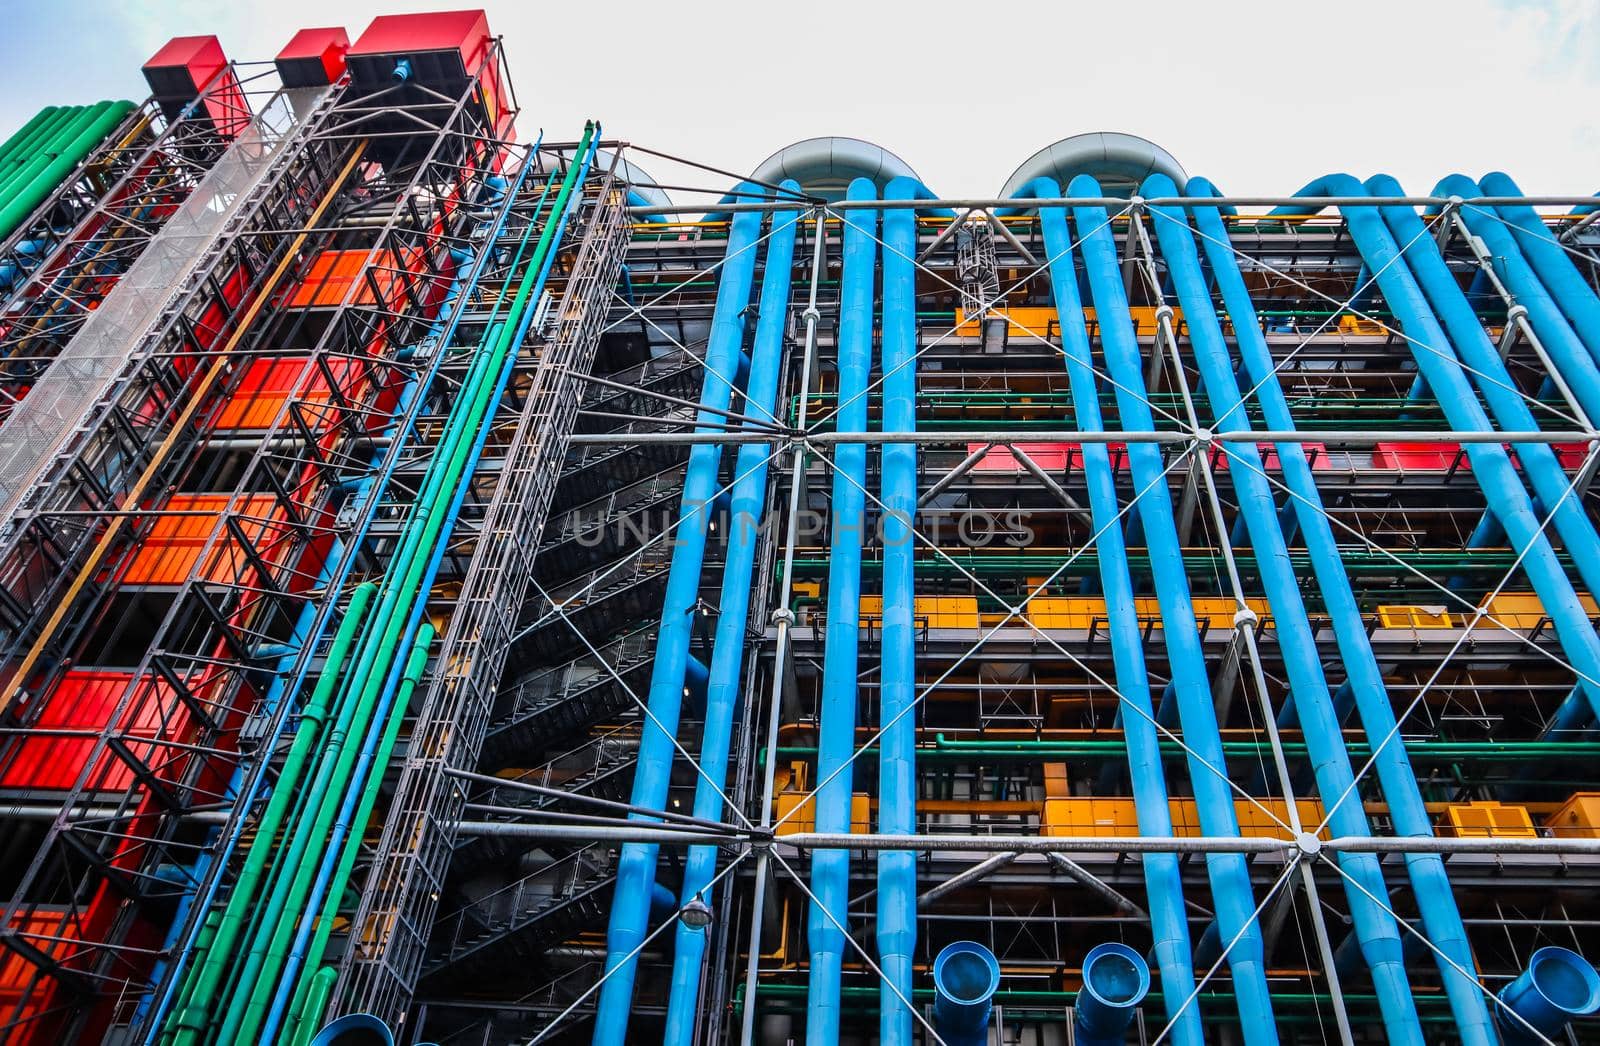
<point x="811" y="315"/>
<point x="1164" y="312"/>
<point x="783" y="616"/>
<point x="1245" y="618"/>
<point x="1515" y="314"/>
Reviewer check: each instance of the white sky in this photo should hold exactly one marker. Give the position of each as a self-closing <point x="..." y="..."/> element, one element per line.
<point x="1259" y="96"/>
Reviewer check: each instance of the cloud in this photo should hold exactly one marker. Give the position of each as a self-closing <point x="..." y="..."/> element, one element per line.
<point x="1261" y="97"/>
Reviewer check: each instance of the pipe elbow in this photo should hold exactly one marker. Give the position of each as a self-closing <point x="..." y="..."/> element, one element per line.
<point x="1085" y="185"/>
<point x="1457" y="185"/>
<point x="1158" y="184"/>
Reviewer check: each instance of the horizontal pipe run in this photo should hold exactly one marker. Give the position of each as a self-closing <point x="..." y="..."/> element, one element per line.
<point x="624" y="832"/>
<point x="1186" y="202"/>
<point x="1360" y="437"/>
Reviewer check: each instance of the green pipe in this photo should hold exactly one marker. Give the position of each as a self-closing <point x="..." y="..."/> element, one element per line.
<point x="332" y="673"/>
<point x="316" y="1001"/>
<point x="265" y="958"/>
<point x="43" y="134"/>
<point x="15" y="143"/>
<point x="19" y="206"/>
<point x="43" y="150"/>
<point x="303" y="1009"/>
<point x="189" y="1016"/>
<point x="865" y="999"/>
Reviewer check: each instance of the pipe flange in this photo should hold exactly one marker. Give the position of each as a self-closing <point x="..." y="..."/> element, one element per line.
<point x="1515" y="313"/>
<point x="1164" y="312"/>
<point x="783" y="616"/>
<point x="1245" y="618"/>
<point x="1308" y="844"/>
<point x="811" y="315"/>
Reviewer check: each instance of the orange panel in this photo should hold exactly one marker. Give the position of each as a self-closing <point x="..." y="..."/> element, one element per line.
<point x="334" y="271"/>
<point x="169" y="552"/>
<point x="268" y="384"/>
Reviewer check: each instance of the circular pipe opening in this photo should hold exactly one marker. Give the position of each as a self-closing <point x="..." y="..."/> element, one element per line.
<point x="1116" y="975"/>
<point x="1566" y="980"/>
<point x="966" y="972"/>
<point x="355" y="1029"/>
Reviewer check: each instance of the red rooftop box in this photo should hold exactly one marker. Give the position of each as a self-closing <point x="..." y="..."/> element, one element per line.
<point x="188" y="65"/>
<point x="443" y="50"/>
<point x="314" y="57"/>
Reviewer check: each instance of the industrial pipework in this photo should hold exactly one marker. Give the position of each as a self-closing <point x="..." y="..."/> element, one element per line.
<point x="1115" y="980"/>
<point x="965" y="978"/>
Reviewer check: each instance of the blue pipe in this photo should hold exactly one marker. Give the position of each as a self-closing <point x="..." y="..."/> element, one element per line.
<point x="830" y="869"/>
<point x="1558" y="985"/>
<point x="1550" y="261"/>
<point x="1163" y="881"/>
<point x="965" y="977"/>
<point x="342" y="825"/>
<point x="727" y="658"/>
<point x="1491" y="465"/>
<point x="1566" y="350"/>
<point x="1510" y="409"/>
<point x="335" y="562"/>
<point x="1115" y="981"/>
<point x="1330" y="761"/>
<point x="1230" y="876"/>
<point x="636" y="868"/>
<point x="897" y="783"/>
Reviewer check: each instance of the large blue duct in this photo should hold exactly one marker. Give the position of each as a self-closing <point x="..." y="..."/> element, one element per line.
<point x="897" y="784"/>
<point x="727" y="658"/>
<point x="1407" y="812"/>
<point x="1506" y="403"/>
<point x="1163" y="882"/>
<point x="636" y="868"/>
<point x="1566" y="349"/>
<point x="1491" y="465"/>
<point x="1230" y="877"/>
<point x="1551" y="261"/>
<point x="1558" y="985"/>
<point x="1115" y="980"/>
<point x="965" y="977"/>
<point x="1374" y="927"/>
<point x="830" y="869"/>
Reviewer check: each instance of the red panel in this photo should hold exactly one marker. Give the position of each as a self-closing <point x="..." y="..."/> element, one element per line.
<point x="83" y="700"/>
<point x="1052" y="457"/>
<point x="464" y="31"/>
<point x="313" y="57"/>
<point x="184" y="67"/>
<point x="1316" y="452"/>
<point x="1422" y="456"/>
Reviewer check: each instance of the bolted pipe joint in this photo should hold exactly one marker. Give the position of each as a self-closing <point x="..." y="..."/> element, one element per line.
<point x="1115" y="980"/>
<point x="1558" y="985"/>
<point x="965" y="977"/>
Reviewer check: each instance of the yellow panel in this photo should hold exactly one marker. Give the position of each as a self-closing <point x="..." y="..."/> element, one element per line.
<point x="1490" y="819"/>
<point x="1056" y="781"/>
<point x="806" y="820"/>
<point x="1021" y="320"/>
<point x="1523" y="610"/>
<point x="1579" y="817"/>
<point x="1414" y="617"/>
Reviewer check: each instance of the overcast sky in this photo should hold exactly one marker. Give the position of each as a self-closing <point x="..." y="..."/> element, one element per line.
<point x="1261" y="97"/>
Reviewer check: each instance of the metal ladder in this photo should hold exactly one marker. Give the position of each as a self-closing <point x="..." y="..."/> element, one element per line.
<point x="396" y="914"/>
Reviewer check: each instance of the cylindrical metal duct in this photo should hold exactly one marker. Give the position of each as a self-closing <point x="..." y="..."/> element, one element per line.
<point x="965" y="977"/>
<point x="1115" y="980"/>
<point x="1558" y="985"/>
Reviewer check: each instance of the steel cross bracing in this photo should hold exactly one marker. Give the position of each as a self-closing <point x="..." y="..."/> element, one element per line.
<point x="207" y="663"/>
<point x="408" y="870"/>
<point x="1366" y="527"/>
